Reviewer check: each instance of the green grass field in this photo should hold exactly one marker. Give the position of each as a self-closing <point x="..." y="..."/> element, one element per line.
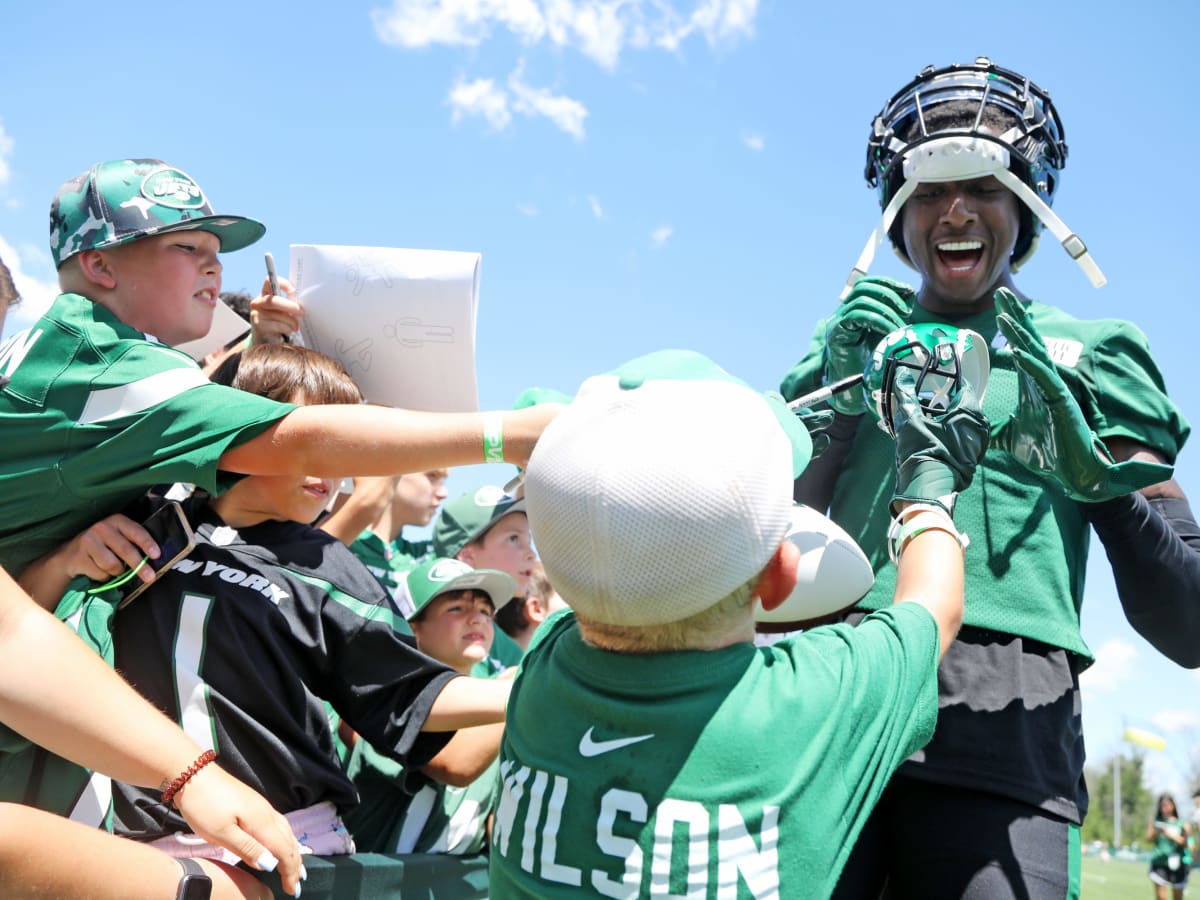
<point x="1116" y="880"/>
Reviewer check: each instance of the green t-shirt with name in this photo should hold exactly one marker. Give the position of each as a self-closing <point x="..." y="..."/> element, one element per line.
<point x="740" y="772"/>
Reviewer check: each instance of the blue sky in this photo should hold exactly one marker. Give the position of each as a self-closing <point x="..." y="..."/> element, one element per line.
<point x="637" y="175"/>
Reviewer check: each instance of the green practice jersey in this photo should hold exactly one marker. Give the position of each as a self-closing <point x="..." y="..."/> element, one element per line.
<point x="403" y="811"/>
<point x="740" y="772"/>
<point x="389" y="563"/>
<point x="93" y="414"/>
<point x="1029" y="542"/>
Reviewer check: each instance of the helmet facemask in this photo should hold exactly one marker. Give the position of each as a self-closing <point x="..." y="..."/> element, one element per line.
<point x="1016" y="136"/>
<point x="943" y="357"/>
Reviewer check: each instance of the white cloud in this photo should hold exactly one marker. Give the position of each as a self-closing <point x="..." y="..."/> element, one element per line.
<point x="480" y="98"/>
<point x="36" y="294"/>
<point x="1175" y="720"/>
<point x="566" y="113"/>
<point x="719" y="21"/>
<point x="483" y="98"/>
<point x="755" y="142"/>
<point x="661" y="235"/>
<point x="527" y="209"/>
<point x="598" y="29"/>
<point x="419" y="23"/>
<point x="597" y="209"/>
<point x="1113" y="667"/>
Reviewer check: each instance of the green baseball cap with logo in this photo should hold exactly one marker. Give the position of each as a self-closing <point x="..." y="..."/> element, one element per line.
<point x="468" y="518"/>
<point x="437" y="576"/>
<point x="123" y="200"/>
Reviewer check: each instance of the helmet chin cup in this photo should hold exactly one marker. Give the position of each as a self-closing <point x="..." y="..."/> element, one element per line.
<point x="944" y="358"/>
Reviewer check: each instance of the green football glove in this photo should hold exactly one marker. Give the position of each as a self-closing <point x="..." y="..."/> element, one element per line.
<point x="935" y="455"/>
<point x="1048" y="433"/>
<point x="874" y="309"/>
<point x="817" y="421"/>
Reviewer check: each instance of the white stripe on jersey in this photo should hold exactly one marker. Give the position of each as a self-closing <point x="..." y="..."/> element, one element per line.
<point x="419" y="810"/>
<point x="92" y="806"/>
<point x="138" y="396"/>
<point x="191" y="693"/>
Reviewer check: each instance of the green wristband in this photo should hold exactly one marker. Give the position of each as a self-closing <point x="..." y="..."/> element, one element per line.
<point x="493" y="438"/>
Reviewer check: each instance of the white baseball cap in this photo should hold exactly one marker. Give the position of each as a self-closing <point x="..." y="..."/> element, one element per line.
<point x="662" y="488"/>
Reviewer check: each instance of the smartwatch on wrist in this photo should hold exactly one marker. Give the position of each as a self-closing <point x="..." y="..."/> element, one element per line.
<point x="194" y="885"/>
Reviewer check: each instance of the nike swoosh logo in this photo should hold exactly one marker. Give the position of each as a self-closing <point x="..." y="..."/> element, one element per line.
<point x="589" y="747"/>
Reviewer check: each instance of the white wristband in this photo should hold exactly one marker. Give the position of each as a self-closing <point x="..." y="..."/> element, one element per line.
<point x="918" y="518"/>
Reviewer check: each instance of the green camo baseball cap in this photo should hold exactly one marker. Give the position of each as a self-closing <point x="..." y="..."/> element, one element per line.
<point x="467" y="518"/>
<point x="437" y="576"/>
<point x="116" y="202"/>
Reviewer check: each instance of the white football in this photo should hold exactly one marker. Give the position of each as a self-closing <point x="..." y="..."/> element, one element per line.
<point x="833" y="573"/>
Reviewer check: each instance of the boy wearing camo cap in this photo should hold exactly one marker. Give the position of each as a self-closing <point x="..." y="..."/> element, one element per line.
<point x="650" y="747"/>
<point x="97" y="407"/>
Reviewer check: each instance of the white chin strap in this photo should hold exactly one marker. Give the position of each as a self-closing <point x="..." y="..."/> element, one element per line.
<point x="961" y="158"/>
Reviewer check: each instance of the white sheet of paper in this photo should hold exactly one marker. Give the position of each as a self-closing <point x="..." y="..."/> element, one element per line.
<point x="226" y="325"/>
<point x="401" y="321"/>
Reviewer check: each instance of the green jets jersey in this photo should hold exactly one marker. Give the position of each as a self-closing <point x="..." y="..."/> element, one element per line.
<point x="403" y="811"/>
<point x="741" y="772"/>
<point x="389" y="563"/>
<point x="93" y="414"/>
<point x="33" y="775"/>
<point x="1023" y="528"/>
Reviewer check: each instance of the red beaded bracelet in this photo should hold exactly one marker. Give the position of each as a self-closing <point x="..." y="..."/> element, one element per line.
<point x="184" y="777"/>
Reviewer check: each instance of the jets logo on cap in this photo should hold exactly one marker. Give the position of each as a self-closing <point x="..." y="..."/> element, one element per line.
<point x="491" y="495"/>
<point x="448" y="570"/>
<point x="173" y="188"/>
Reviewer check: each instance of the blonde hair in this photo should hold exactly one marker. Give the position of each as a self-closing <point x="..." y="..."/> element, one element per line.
<point x="696" y="632"/>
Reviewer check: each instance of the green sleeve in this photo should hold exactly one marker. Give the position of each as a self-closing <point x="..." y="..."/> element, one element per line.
<point x="1122" y="392"/>
<point x="805" y="376"/>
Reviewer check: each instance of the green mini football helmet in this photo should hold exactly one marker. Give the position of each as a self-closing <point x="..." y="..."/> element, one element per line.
<point x="944" y="356"/>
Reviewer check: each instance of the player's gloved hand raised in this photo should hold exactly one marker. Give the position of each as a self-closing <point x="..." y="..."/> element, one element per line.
<point x="1048" y="433"/>
<point x="875" y="307"/>
<point x="936" y="455"/>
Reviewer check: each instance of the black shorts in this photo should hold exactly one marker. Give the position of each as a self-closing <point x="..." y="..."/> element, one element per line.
<point x="938" y="842"/>
<point x="1162" y="873"/>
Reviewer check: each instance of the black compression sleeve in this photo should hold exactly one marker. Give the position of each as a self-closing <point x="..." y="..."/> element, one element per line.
<point x="1154" y="549"/>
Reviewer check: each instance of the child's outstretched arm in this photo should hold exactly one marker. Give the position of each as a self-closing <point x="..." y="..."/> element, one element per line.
<point x="59" y="694"/>
<point x="936" y="456"/>
<point x="466" y="756"/>
<point x="361" y="509"/>
<point x="466" y="701"/>
<point x="329" y="441"/>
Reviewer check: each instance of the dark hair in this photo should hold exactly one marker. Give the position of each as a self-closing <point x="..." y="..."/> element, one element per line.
<point x="419" y="616"/>
<point x="288" y="373"/>
<point x="8" y="290"/>
<point x="512" y="616"/>
<point x="238" y="301"/>
<point x="954" y="115"/>
<point x="1158" y="807"/>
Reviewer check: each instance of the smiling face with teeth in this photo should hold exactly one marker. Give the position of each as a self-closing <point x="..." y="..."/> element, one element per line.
<point x="960" y="236"/>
